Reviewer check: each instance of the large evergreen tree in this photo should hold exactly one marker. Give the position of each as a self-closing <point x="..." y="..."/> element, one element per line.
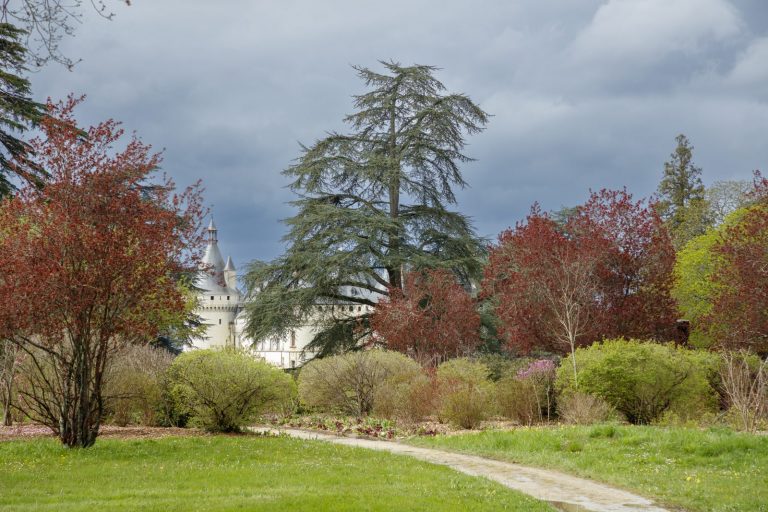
<point x="17" y="111"/>
<point x="682" y="202"/>
<point x="371" y="204"/>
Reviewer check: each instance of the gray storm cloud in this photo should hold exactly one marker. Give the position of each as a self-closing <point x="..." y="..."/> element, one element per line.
<point x="585" y="94"/>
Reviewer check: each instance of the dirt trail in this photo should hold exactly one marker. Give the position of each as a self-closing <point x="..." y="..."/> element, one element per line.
<point x="563" y="491"/>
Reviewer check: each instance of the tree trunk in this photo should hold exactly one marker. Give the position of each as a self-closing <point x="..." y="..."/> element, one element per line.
<point x="7" y="418"/>
<point x="573" y="358"/>
<point x="81" y="412"/>
<point x="395" y="272"/>
<point x="7" y="397"/>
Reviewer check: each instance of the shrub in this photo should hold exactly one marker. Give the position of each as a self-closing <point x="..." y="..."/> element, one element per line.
<point x="502" y="365"/>
<point x="350" y="383"/>
<point x="541" y="374"/>
<point x="583" y="409"/>
<point x="133" y="385"/>
<point x="465" y="393"/>
<point x="744" y="384"/>
<point x="516" y="399"/>
<point x="643" y="380"/>
<point x="406" y="397"/>
<point x="222" y="390"/>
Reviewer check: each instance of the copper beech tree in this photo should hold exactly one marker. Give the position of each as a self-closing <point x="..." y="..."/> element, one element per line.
<point x="432" y="318"/>
<point x="89" y="265"/>
<point x="606" y="272"/>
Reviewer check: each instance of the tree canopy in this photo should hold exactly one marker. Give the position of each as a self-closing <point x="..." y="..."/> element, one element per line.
<point x="606" y="272"/>
<point x="432" y="318"/>
<point x="372" y="204"/>
<point x="89" y="265"/>
<point x="682" y="202"/>
<point x="721" y="277"/>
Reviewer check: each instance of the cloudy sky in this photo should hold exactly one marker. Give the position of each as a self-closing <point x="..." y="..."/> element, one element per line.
<point x="585" y="94"/>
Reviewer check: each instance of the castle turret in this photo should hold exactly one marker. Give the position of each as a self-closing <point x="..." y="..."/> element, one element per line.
<point x="219" y="299"/>
<point x="230" y="274"/>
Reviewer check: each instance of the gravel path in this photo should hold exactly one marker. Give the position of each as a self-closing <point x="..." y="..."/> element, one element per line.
<point x="565" y="492"/>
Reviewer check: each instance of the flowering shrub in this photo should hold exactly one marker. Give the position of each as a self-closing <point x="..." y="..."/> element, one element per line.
<point x="528" y="396"/>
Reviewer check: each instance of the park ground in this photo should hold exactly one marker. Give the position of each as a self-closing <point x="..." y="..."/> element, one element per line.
<point x="179" y="469"/>
<point x="141" y="471"/>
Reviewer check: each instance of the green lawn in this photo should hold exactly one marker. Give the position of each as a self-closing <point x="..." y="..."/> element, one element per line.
<point x="699" y="470"/>
<point x="235" y="473"/>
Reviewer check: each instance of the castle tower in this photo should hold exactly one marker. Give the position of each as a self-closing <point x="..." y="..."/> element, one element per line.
<point x="219" y="298"/>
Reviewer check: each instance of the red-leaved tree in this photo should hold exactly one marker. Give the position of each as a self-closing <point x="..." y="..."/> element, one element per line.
<point x="739" y="316"/>
<point x="606" y="272"/>
<point x="89" y="265"/>
<point x="544" y="286"/>
<point x="636" y="265"/>
<point x="431" y="319"/>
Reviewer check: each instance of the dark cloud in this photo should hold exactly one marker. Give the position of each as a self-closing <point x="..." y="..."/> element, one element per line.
<point x="585" y="94"/>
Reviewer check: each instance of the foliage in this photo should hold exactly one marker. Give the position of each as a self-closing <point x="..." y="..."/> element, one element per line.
<point x="636" y="272"/>
<point x="372" y="204"/>
<point x="694" y="289"/>
<point x="255" y="473"/>
<point x="543" y="285"/>
<point x="224" y="390"/>
<point x="607" y="272"/>
<point x="682" y="202"/>
<point x="739" y="315"/>
<point x="432" y="318"/>
<point x="19" y="112"/>
<point x="744" y="384"/>
<point x="642" y="380"/>
<point x="133" y="385"/>
<point x="90" y="261"/>
<point x="465" y="392"/>
<point x="584" y="409"/>
<point x="350" y="383"/>
<point x="699" y="470"/>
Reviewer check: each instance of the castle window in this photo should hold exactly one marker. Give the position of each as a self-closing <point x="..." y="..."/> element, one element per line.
<point x="359" y="308"/>
<point x="293" y="363"/>
<point x="293" y="339"/>
<point x="219" y="321"/>
<point x="351" y="308"/>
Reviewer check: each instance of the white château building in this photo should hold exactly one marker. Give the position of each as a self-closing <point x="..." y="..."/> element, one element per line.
<point x="220" y="307"/>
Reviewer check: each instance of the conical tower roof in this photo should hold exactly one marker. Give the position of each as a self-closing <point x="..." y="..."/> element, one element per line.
<point x="211" y="278"/>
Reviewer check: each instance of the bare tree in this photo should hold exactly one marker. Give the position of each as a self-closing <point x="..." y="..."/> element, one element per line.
<point x="570" y="295"/>
<point x="47" y="22"/>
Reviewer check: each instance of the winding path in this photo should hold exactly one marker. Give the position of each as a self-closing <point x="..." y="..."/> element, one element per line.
<point x="565" y="492"/>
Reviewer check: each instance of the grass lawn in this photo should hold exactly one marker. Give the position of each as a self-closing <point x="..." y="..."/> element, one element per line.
<point x="699" y="470"/>
<point x="235" y="473"/>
